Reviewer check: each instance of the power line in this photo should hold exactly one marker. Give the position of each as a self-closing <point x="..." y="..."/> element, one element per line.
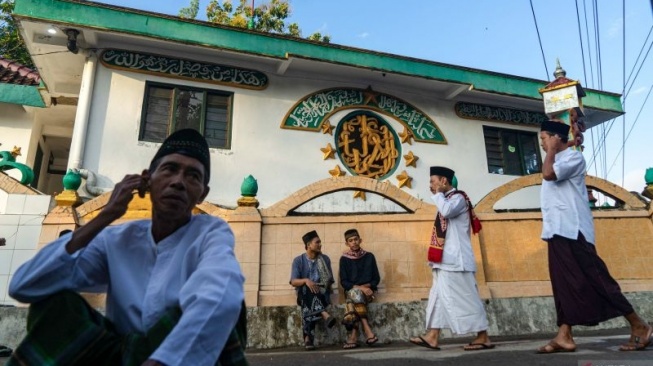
<point x="633" y="125"/>
<point x="580" y="38"/>
<point x="623" y="75"/>
<point x="589" y="47"/>
<point x="637" y="60"/>
<point x="540" y="40"/>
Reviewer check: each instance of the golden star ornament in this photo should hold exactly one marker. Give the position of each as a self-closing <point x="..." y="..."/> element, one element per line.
<point x="360" y="194"/>
<point x="406" y="136"/>
<point x="327" y="127"/>
<point x="411" y="159"/>
<point x="336" y="172"/>
<point x="328" y="151"/>
<point x="404" y="180"/>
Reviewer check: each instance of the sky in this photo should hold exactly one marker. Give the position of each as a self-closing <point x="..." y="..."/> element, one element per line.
<point x="501" y="36"/>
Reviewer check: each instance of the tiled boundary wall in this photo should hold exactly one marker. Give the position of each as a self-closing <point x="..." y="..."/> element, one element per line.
<point x="22" y="210"/>
<point x="512" y="260"/>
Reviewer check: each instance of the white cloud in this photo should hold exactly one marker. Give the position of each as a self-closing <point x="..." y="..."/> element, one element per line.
<point x="363" y="35"/>
<point x="615" y="28"/>
<point x="323" y="28"/>
<point x="634" y="180"/>
<point x="639" y="90"/>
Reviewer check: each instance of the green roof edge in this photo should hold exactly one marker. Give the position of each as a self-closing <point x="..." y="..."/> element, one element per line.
<point x="130" y="21"/>
<point x="21" y="94"/>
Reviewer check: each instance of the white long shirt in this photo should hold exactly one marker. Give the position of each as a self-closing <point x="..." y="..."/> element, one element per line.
<point x="457" y="254"/>
<point x="565" y="207"/>
<point x="194" y="268"/>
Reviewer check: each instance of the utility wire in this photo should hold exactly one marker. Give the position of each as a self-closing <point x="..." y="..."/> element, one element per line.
<point x="633" y="125"/>
<point x="580" y="38"/>
<point x="540" y="40"/>
<point x="637" y="60"/>
<point x="589" y="47"/>
<point x="600" y="145"/>
<point x="623" y="103"/>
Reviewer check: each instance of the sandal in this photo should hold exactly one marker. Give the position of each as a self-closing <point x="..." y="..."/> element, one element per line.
<point x="371" y="341"/>
<point x="638" y="344"/>
<point x="5" y="351"/>
<point x="348" y="345"/>
<point x="330" y="321"/>
<point x="553" y="347"/>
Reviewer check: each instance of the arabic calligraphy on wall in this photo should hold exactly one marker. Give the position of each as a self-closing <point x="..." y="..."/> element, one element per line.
<point x="367" y="145"/>
<point x="184" y="69"/>
<point x="498" y="114"/>
<point x="311" y="111"/>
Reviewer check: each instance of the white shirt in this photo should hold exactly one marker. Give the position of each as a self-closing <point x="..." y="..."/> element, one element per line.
<point x="565" y="206"/>
<point x="457" y="254"/>
<point x="194" y="268"/>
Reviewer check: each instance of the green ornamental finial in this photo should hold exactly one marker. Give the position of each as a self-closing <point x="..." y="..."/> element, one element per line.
<point x="249" y="188"/>
<point x="8" y="162"/>
<point x="648" y="176"/>
<point x="72" y="180"/>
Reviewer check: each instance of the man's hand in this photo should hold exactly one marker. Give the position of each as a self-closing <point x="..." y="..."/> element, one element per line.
<point x="151" y="362"/>
<point x="366" y="290"/>
<point x="123" y="193"/>
<point x="312" y="286"/>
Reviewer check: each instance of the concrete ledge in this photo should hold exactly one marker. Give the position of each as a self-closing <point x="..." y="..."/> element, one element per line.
<point x="280" y="326"/>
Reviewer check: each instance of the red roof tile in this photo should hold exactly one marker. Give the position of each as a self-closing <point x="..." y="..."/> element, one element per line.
<point x="12" y="72"/>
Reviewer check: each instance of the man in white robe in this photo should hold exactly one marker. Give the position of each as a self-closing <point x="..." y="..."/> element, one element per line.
<point x="174" y="287"/>
<point x="454" y="302"/>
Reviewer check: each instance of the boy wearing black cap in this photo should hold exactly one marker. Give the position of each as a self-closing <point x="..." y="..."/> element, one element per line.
<point x="583" y="290"/>
<point x="174" y="287"/>
<point x="312" y="278"/>
<point x="359" y="278"/>
<point x="454" y="302"/>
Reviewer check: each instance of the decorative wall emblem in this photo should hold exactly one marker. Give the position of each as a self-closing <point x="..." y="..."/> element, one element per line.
<point x="311" y="112"/>
<point x="498" y="114"/>
<point x="183" y="68"/>
<point x="367" y="145"/>
<point x="8" y="162"/>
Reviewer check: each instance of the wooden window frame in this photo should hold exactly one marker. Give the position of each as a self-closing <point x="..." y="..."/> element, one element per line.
<point x="171" y="121"/>
<point x="520" y="136"/>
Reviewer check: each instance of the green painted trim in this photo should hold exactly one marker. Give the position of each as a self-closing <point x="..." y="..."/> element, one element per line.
<point x="21" y="94"/>
<point x="169" y="28"/>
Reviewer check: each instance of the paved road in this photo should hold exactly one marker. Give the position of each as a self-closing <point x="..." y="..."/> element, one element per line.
<point x="594" y="349"/>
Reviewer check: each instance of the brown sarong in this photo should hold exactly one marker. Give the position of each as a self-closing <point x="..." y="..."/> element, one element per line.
<point x="583" y="289"/>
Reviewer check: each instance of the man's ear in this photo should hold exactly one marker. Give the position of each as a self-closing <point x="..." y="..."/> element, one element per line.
<point x="206" y="192"/>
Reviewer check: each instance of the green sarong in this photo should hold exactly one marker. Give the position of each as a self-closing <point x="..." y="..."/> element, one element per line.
<point x="64" y="330"/>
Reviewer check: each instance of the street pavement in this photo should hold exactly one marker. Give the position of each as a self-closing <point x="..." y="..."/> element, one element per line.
<point x="598" y="348"/>
<point x="594" y="349"/>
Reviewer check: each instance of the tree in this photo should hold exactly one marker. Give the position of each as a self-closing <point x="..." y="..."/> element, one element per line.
<point x="12" y="46"/>
<point x="191" y="11"/>
<point x="270" y="17"/>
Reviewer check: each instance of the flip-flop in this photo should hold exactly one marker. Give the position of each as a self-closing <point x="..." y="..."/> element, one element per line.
<point x="371" y="341"/>
<point x="5" y="351"/>
<point x="637" y="344"/>
<point x="348" y="345"/>
<point x="478" y="346"/>
<point x="424" y="343"/>
<point x="330" y="321"/>
<point x="554" y="348"/>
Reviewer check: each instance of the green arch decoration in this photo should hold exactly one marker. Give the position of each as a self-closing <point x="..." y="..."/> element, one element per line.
<point x="8" y="162"/>
<point x="311" y="111"/>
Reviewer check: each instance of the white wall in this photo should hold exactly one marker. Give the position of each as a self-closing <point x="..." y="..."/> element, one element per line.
<point x="20" y="224"/>
<point x="15" y="130"/>
<point x="282" y="160"/>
